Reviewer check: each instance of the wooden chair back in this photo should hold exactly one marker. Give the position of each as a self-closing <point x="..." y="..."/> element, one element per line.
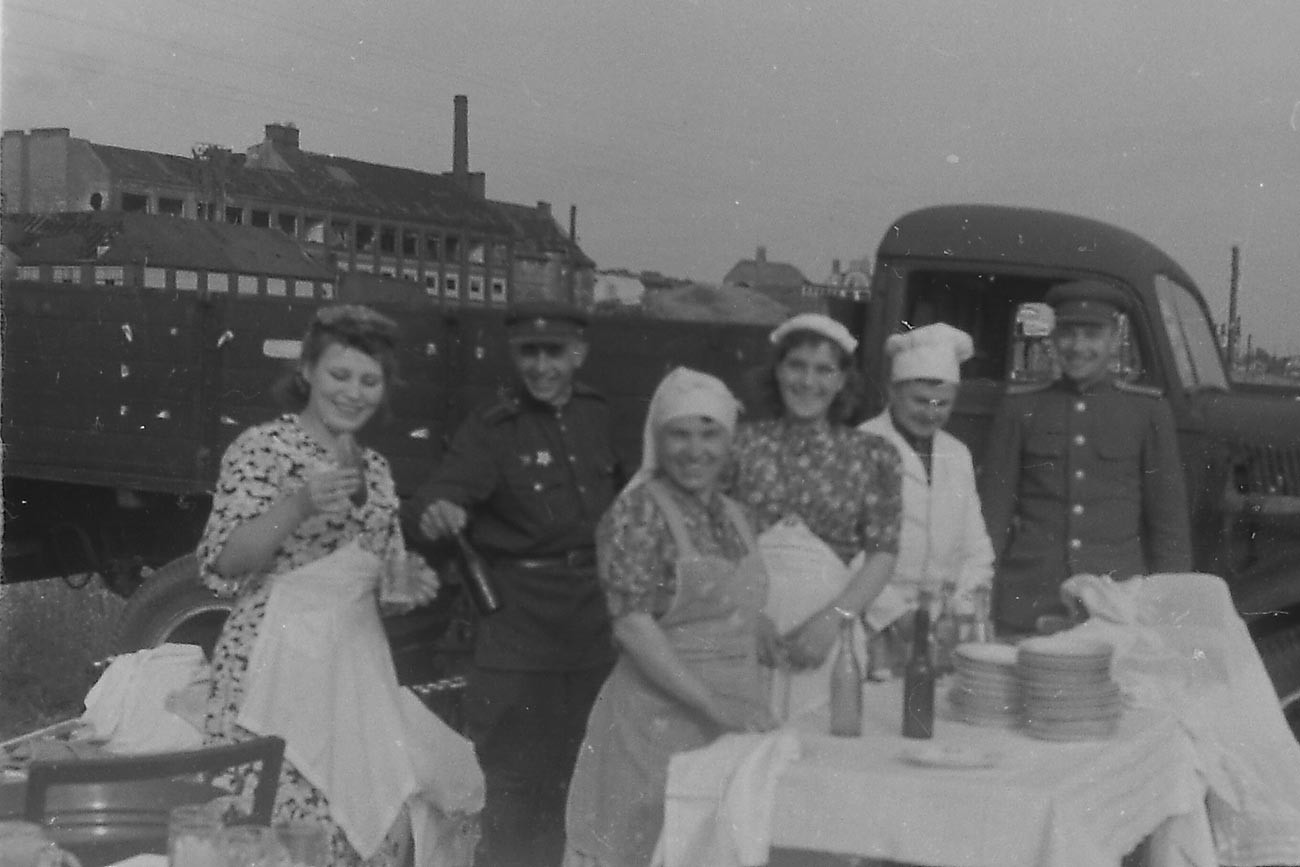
<point x="118" y="806"/>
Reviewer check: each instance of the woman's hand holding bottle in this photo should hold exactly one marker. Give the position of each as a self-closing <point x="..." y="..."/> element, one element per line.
<point x="809" y="644"/>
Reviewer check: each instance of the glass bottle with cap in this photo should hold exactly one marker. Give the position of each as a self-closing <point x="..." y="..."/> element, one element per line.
<point x="846" y="681"/>
<point x="919" y="677"/>
<point x="946" y="628"/>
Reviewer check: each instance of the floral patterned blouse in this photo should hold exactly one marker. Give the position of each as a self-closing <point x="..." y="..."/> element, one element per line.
<point x="637" y="555"/>
<point x="263" y="464"/>
<point x="845" y="484"/>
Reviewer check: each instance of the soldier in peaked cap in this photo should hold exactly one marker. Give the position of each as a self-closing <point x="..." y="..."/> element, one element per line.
<point x="1082" y="475"/>
<point x="528" y="476"/>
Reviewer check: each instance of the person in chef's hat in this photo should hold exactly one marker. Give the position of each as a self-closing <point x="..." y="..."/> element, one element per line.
<point x="943" y="537"/>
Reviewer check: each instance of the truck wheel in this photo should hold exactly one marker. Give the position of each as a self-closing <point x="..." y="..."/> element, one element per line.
<point x="172" y="606"/>
<point x="1281" y="654"/>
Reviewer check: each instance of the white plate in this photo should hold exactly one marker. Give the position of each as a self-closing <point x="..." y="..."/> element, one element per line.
<point x="950" y="756"/>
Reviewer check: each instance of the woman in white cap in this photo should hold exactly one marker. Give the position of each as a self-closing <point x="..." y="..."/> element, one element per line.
<point x="807" y="467"/>
<point x="943" y="535"/>
<point x="685" y="586"/>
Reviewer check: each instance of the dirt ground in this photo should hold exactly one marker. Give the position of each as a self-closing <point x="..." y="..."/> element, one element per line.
<point x="50" y="634"/>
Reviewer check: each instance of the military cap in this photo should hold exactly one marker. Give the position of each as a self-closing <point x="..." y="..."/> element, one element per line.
<point x="545" y="322"/>
<point x="1083" y="301"/>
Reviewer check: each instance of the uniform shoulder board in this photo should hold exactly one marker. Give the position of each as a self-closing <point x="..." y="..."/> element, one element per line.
<point x="1138" y="388"/>
<point x="499" y="411"/>
<point x="584" y="390"/>
<point x="1032" y="387"/>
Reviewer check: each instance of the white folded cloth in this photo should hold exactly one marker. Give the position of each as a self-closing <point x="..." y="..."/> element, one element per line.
<point x="321" y="676"/>
<point x="804" y="575"/>
<point x="719" y="800"/>
<point x="127" y="706"/>
<point x="1179" y="644"/>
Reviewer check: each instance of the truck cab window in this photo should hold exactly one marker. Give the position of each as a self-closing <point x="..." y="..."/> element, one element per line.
<point x="1191" y="339"/>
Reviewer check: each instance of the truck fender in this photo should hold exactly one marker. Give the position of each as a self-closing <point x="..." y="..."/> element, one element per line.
<point x="172" y="605"/>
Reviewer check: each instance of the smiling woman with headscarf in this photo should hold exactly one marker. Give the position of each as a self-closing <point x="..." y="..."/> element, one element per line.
<point x="686" y="587"/>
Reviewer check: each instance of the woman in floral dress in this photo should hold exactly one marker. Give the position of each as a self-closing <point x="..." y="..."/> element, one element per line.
<point x="805" y="462"/>
<point x="284" y="501"/>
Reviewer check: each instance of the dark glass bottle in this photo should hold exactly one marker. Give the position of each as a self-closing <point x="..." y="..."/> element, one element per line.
<point x="846" y="683"/>
<point x="918" y="679"/>
<point x="350" y="457"/>
<point x="478" y="578"/>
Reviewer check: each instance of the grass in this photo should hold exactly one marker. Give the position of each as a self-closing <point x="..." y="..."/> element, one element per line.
<point x="50" y="634"/>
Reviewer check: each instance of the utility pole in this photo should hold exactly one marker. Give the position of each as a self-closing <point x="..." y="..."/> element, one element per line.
<point x="1234" y="323"/>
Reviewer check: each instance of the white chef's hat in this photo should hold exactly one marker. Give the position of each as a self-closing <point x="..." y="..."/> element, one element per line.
<point x="683" y="392"/>
<point x="930" y="352"/>
<point x="818" y="324"/>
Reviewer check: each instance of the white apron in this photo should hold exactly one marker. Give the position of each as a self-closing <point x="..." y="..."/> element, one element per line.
<point x="321" y="676"/>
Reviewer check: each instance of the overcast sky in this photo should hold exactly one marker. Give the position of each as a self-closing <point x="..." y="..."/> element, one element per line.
<point x="688" y="133"/>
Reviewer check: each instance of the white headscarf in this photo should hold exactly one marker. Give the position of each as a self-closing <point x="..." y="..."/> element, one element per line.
<point x="681" y="393"/>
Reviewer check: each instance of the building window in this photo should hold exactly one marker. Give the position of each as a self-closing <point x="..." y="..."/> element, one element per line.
<point x="432" y="247"/>
<point x="477" y="252"/>
<point x="340" y="236"/>
<point x="451" y="286"/>
<point x="499" y="254"/>
<point x="277" y="286"/>
<point x="29" y="272"/>
<point x="218" y="282"/>
<point x="171" y="207"/>
<point x="410" y="243"/>
<point x="431" y="283"/>
<point x="365" y="237"/>
<point x="313" y="229"/>
<point x="259" y="218"/>
<point x="288" y="223"/>
<point x="452" y="245"/>
<point x="66" y="273"/>
<point x="109" y="276"/>
<point x="498" y="290"/>
<point x="96" y="201"/>
<point x="327" y="290"/>
<point x="386" y="270"/>
<point x="246" y="284"/>
<point x="187" y="280"/>
<point x="135" y="202"/>
<point x="476" y="287"/>
<point x="155" y="278"/>
<point x="411" y="274"/>
<point x="387" y="239"/>
<point x="234" y="216"/>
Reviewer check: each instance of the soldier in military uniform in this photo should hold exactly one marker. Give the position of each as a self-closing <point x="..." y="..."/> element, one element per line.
<point x="530" y="476"/>
<point x="1082" y="475"/>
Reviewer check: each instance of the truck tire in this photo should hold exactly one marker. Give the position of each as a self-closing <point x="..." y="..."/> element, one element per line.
<point x="172" y="606"/>
<point x="1281" y="654"/>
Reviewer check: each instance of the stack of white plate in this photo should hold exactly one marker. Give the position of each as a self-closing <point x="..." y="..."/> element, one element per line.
<point x="1066" y="690"/>
<point x="985" y="688"/>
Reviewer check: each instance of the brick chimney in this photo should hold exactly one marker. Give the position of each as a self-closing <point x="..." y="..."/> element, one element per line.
<point x="283" y="135"/>
<point x="760" y="255"/>
<point x="544" y="210"/>
<point x="460" y="147"/>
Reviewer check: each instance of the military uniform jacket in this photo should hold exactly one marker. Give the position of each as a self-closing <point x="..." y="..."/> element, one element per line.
<point x="1081" y="481"/>
<point x="535" y="480"/>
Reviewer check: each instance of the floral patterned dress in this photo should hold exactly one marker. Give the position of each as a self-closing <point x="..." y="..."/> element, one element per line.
<point x="845" y="484"/>
<point x="262" y="465"/>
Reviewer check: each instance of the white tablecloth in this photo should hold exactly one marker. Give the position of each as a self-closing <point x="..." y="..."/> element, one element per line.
<point x="1044" y="804"/>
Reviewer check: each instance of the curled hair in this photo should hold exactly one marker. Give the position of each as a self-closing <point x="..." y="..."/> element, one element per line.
<point x="846" y="408"/>
<point x="351" y="325"/>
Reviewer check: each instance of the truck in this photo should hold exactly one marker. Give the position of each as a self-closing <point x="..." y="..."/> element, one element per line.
<point x="119" y="403"/>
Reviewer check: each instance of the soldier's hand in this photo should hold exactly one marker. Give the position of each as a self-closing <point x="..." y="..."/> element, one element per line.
<point x="442" y="518"/>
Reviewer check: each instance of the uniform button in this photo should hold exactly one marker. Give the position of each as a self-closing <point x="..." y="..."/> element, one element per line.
<point x="1080" y="439"/>
<point x="537" y="486"/>
<point x="1075" y="544"/>
<point x="1080" y="406"/>
<point x="1077" y="509"/>
<point x="1078" y="474"/>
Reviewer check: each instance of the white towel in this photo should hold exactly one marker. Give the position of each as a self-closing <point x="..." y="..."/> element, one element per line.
<point x="321" y="676"/>
<point x="126" y="707"/>
<point x="1180" y="644"/>
<point x="719" y="801"/>
<point x="804" y="575"/>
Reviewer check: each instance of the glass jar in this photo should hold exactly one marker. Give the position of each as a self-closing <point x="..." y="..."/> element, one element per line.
<point x="192" y="831"/>
<point x="249" y="846"/>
